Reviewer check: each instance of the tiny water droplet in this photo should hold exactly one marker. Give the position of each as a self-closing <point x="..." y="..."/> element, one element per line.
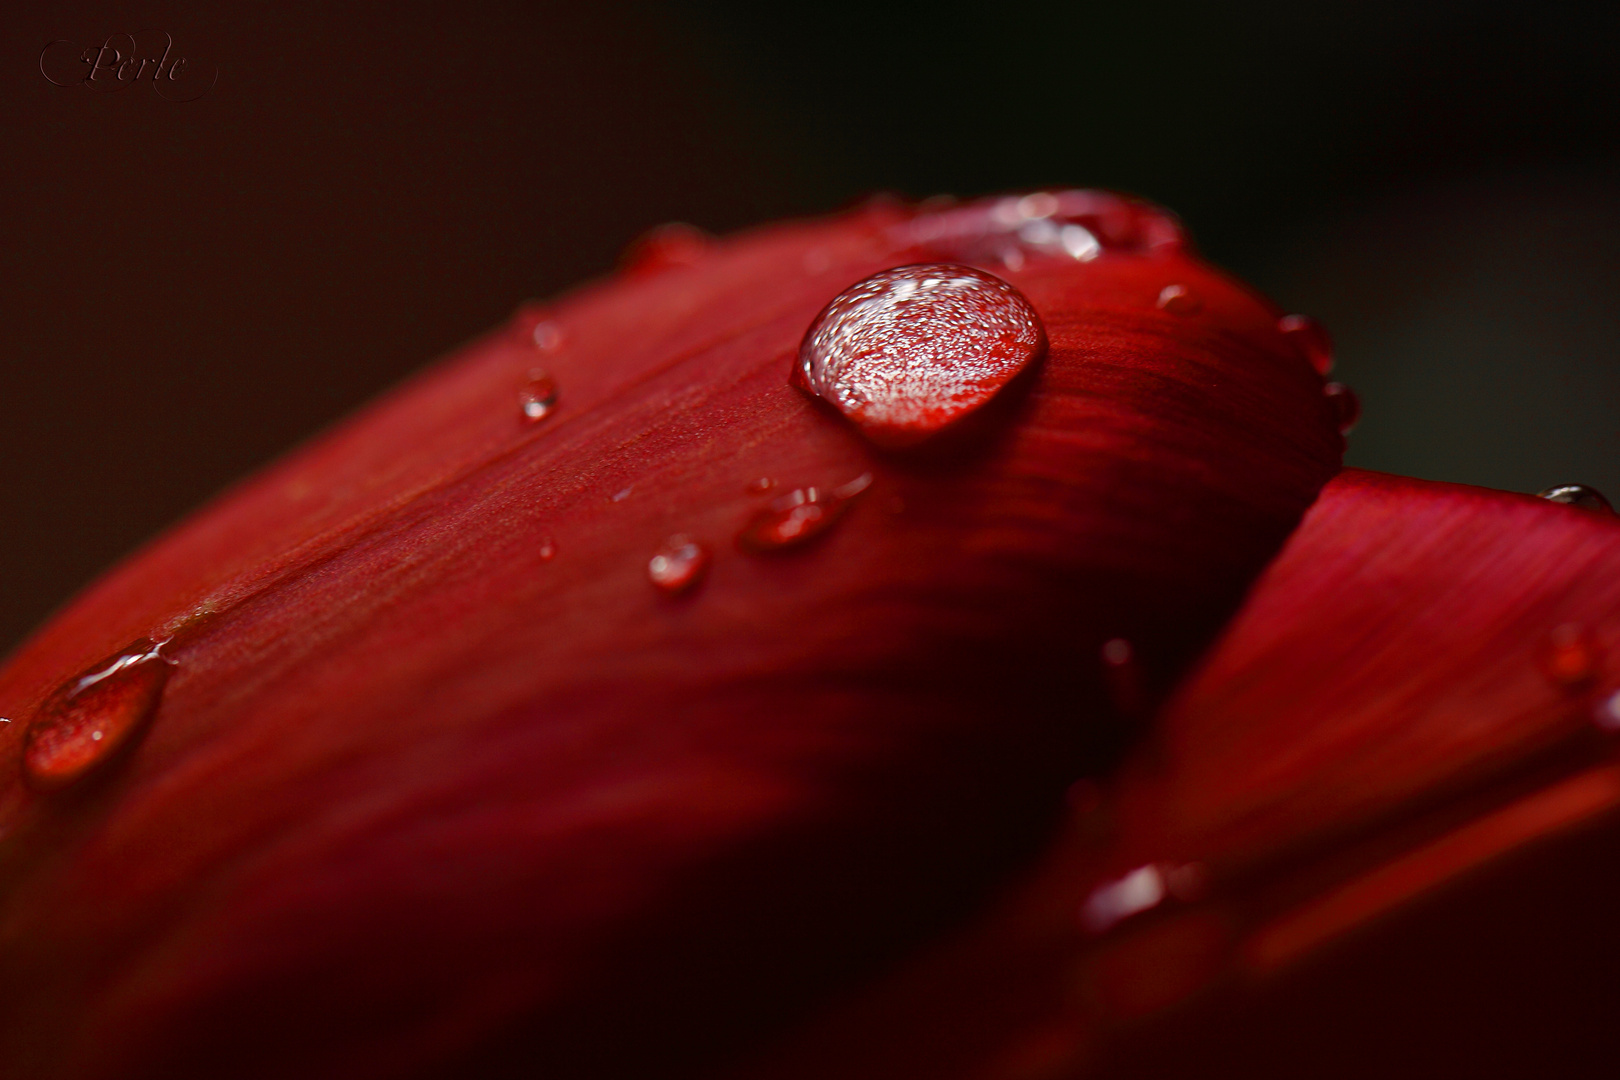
<point x="1580" y="496"/>
<point x="1345" y="406"/>
<point x="799" y="516"/>
<point x="678" y="564"/>
<point x="909" y="350"/>
<point x="548" y="549"/>
<point x="538" y="396"/>
<point x="620" y="496"/>
<point x="547" y="336"/>
<point x="1178" y="300"/>
<point x="1122" y="675"/>
<point x="1072" y="224"/>
<point x="759" y="485"/>
<point x="1310" y="338"/>
<point x="1569" y="655"/>
<point x="90" y="717"/>
<point x="666" y="247"/>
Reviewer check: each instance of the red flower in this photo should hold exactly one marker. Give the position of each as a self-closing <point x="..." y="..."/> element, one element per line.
<point x="446" y="779"/>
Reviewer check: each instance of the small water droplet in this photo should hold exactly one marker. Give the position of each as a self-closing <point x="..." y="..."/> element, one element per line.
<point x="1114" y="901"/>
<point x="91" y="716"/>
<point x="678" y="564"/>
<point x="1122" y="675"/>
<point x="1580" y="496"/>
<point x="1607" y="713"/>
<point x="1310" y="338"/>
<point x="759" y="485"/>
<point x="1344" y="404"/>
<point x="1569" y="655"/>
<point x="799" y="516"/>
<point x="548" y="549"/>
<point x="538" y="396"/>
<point x="907" y="351"/>
<point x="1178" y="300"/>
<point x="620" y="496"/>
<point x="547" y="336"/>
<point x="668" y="246"/>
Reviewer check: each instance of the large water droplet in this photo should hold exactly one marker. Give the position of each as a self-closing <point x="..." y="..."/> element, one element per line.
<point x="907" y="351"/>
<point x="1310" y="338"/>
<point x="1578" y="495"/>
<point x="1344" y="404"/>
<point x="1569" y="657"/>
<point x="89" y="718"/>
<point x="538" y="396"/>
<point x="678" y="565"/>
<point x="799" y="516"/>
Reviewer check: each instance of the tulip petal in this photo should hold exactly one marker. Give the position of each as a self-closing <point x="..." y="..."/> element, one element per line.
<point x="442" y="785"/>
<point x="1388" y="785"/>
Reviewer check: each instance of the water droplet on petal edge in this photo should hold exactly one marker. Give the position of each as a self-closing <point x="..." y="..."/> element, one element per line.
<point x="667" y="246"/>
<point x="1345" y="405"/>
<point x="910" y="350"/>
<point x="1310" y="338"/>
<point x="678" y="565"/>
<point x="1579" y="496"/>
<point x="89" y="718"/>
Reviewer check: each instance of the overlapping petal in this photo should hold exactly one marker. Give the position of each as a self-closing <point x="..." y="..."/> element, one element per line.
<point x="441" y="785"/>
<point x="1373" y="831"/>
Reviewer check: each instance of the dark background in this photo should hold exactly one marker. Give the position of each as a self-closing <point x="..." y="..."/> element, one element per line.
<point x="189" y="289"/>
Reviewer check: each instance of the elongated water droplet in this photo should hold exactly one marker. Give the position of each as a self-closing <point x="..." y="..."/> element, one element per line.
<point x="907" y="351"/>
<point x="89" y="718"/>
<point x="538" y="396"/>
<point x="678" y="565"/>
<point x="1580" y="496"/>
<point x="799" y="516"/>
<point x="759" y="485"/>
<point x="667" y="246"/>
<point x="1569" y="656"/>
<point x="1345" y="405"/>
<point x="620" y="495"/>
<point x="1178" y="300"/>
<point x="548" y="549"/>
<point x="1310" y="338"/>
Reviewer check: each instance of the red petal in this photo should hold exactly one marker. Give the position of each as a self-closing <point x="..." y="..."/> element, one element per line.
<point x="443" y="782"/>
<point x="1390" y="747"/>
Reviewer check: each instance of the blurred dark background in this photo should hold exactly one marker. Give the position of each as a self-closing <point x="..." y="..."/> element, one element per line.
<point x="190" y="288"/>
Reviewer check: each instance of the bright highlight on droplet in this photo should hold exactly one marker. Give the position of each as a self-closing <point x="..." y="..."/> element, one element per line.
<point x="1117" y="900"/>
<point x="1310" y="338"/>
<point x="1344" y="404"/>
<point x="908" y="351"/>
<point x="1178" y="300"/>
